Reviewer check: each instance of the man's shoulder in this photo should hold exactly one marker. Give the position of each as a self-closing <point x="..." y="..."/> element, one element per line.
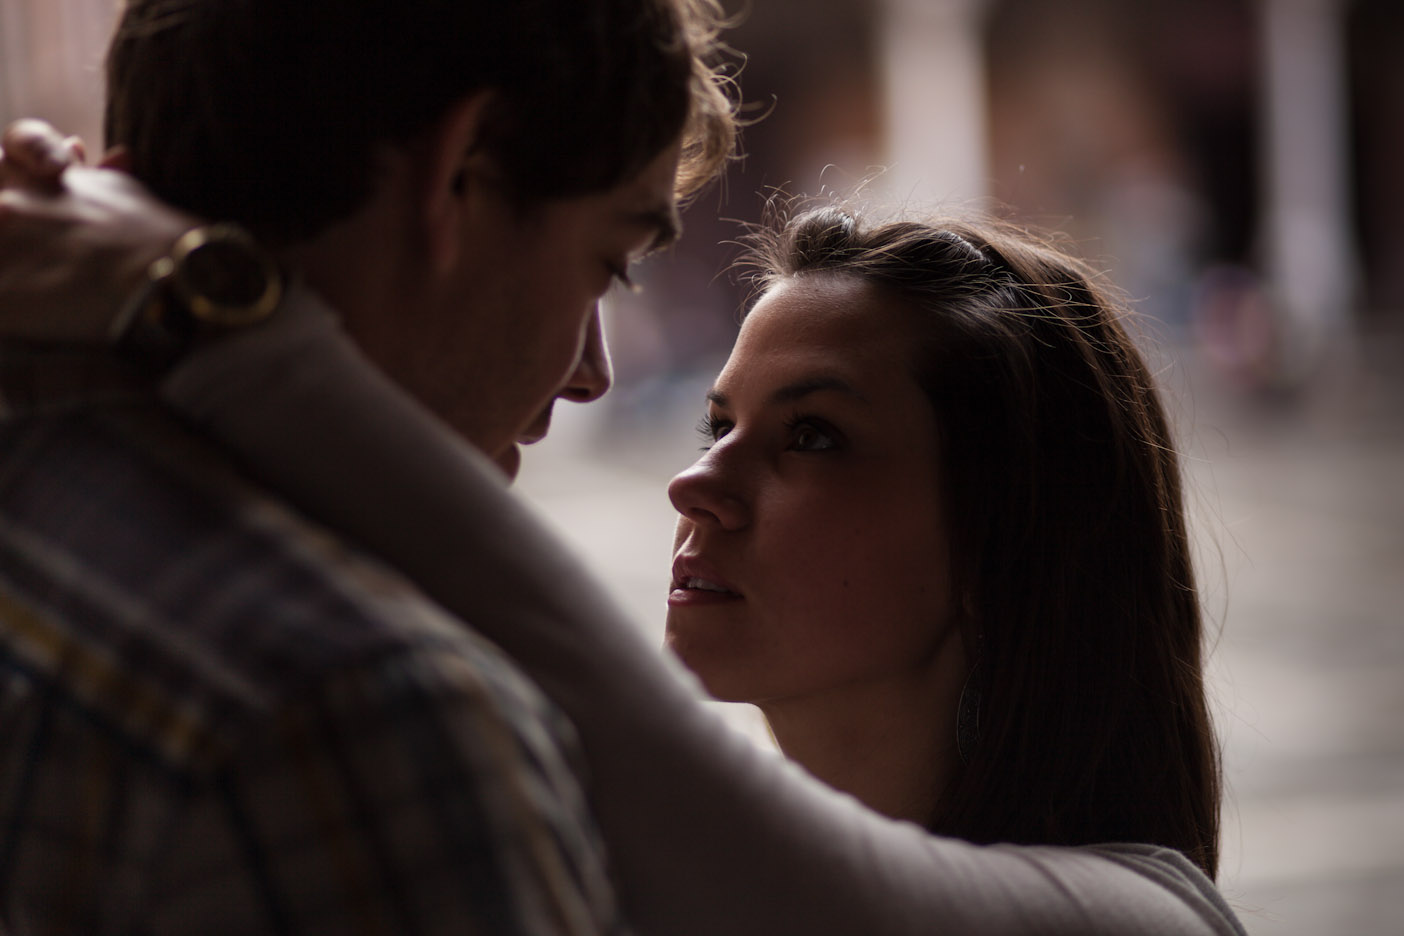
<point x="143" y="576"/>
<point x="204" y="693"/>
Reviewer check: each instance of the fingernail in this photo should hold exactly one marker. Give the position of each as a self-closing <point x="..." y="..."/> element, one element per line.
<point x="74" y="150"/>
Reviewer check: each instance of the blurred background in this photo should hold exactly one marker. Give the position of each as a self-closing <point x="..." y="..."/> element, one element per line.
<point x="1236" y="167"/>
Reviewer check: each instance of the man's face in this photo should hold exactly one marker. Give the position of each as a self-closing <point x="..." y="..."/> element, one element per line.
<point x="514" y="324"/>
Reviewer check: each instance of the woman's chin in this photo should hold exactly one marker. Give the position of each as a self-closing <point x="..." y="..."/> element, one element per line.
<point x="719" y="683"/>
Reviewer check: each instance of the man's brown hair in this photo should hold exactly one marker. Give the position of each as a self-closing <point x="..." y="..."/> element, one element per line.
<point x="269" y="113"/>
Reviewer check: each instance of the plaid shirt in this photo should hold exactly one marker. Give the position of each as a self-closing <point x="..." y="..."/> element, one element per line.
<point x="217" y="718"/>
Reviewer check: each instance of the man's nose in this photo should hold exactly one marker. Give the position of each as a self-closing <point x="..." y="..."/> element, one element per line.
<point x="593" y="375"/>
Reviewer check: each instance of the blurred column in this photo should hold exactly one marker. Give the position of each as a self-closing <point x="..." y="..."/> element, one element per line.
<point x="51" y="62"/>
<point x="933" y="62"/>
<point x="1309" y="253"/>
<point x="14" y="57"/>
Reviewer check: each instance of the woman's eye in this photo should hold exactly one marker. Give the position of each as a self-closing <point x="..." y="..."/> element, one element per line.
<point x="807" y="437"/>
<point x="711" y="428"/>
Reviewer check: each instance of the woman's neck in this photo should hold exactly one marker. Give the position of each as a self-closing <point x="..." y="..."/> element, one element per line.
<point x="892" y="745"/>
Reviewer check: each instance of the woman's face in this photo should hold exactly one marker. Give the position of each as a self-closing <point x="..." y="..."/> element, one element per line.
<point x="811" y="556"/>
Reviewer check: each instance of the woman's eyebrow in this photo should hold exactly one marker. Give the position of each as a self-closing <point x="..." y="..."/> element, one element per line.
<point x="799" y="389"/>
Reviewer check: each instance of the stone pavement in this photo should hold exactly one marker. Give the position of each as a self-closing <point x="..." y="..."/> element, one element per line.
<point x="1299" y="510"/>
<point x="1301" y="522"/>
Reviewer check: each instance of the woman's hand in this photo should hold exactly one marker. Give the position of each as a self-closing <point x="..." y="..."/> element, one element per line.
<point x="75" y="242"/>
<point x="34" y="154"/>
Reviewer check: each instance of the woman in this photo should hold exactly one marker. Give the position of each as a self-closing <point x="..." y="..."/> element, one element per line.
<point x="939" y="471"/>
<point x="944" y="435"/>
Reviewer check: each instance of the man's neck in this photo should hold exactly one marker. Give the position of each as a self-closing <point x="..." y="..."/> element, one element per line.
<point x="364" y="265"/>
<point x="348" y="269"/>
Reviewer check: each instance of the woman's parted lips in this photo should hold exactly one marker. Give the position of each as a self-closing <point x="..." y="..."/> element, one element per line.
<point x="694" y="572"/>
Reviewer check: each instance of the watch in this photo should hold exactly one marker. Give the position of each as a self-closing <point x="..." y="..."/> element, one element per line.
<point x="216" y="278"/>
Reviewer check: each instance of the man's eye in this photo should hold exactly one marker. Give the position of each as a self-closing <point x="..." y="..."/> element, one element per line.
<point x="620" y="272"/>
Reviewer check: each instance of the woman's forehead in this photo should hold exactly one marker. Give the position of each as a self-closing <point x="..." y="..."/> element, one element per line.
<point x="831" y="331"/>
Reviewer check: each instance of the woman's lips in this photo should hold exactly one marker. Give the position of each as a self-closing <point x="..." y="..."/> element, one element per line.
<point x="695" y="582"/>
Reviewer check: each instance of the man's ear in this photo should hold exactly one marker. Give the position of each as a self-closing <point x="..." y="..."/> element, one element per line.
<point x="119" y="157"/>
<point x="455" y="169"/>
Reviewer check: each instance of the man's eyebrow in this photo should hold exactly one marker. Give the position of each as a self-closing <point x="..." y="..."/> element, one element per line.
<point x="798" y="390"/>
<point x="663" y="220"/>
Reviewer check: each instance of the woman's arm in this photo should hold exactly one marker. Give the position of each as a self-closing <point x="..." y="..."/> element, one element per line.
<point x="709" y="835"/>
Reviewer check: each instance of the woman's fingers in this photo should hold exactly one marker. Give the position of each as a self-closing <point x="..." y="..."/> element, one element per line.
<point x="33" y="153"/>
<point x="71" y="253"/>
<point x="77" y="149"/>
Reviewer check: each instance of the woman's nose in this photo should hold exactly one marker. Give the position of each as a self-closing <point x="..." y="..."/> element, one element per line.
<point x="709" y="494"/>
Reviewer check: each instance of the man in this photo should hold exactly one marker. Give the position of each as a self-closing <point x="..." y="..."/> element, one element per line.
<point x="217" y="717"/>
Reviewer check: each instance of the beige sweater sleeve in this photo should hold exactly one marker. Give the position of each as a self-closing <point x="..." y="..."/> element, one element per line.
<point x="708" y="835"/>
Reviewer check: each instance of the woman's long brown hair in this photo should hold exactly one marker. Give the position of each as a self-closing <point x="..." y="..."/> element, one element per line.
<point x="1068" y="535"/>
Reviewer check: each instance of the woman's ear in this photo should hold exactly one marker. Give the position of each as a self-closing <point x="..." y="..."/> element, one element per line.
<point x="455" y="167"/>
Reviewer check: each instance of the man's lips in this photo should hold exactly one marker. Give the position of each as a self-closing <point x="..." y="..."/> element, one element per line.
<point x="510" y="460"/>
<point x="695" y="581"/>
<point x="537" y="430"/>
